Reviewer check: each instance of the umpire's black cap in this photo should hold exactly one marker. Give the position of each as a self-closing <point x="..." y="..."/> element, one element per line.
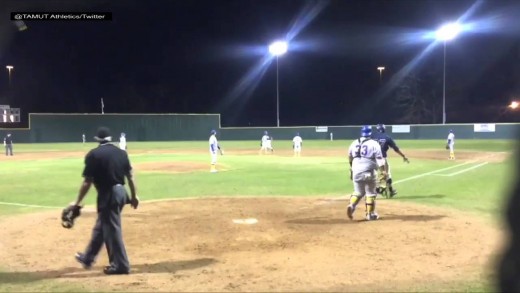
<point x="103" y="134"/>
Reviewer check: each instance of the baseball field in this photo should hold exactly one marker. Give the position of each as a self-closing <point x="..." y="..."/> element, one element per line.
<point x="265" y="223"/>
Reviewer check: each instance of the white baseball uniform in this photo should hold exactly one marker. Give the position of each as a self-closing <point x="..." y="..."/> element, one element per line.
<point x="367" y="158"/>
<point x="213" y="149"/>
<point x="122" y="142"/>
<point x="451" y="141"/>
<point x="297" y="144"/>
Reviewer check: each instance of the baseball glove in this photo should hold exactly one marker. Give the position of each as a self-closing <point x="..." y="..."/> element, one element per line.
<point x="447" y="146"/>
<point x="69" y="214"/>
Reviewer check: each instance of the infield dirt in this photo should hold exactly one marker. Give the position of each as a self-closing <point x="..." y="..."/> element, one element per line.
<point x="298" y="244"/>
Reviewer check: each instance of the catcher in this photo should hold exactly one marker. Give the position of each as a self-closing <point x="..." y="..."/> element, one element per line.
<point x="106" y="166"/>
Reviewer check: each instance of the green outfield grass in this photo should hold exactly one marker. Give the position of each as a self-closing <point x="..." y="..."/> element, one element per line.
<point x="55" y="182"/>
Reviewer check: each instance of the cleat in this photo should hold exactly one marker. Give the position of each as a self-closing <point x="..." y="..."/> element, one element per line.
<point x="350" y="212"/>
<point x="372" y="217"/>
<point x="393" y="193"/>
<point x="80" y="257"/>
<point x="113" y="271"/>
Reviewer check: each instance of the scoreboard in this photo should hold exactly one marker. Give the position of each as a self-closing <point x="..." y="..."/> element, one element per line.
<point x="9" y="115"/>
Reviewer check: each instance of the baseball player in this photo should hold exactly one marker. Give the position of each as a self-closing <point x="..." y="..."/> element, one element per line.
<point x="8" y="143"/>
<point x="386" y="142"/>
<point x="297" y="145"/>
<point x="213" y="148"/>
<point x="365" y="159"/>
<point x="450" y="144"/>
<point x="83" y="137"/>
<point x="122" y="141"/>
<point x="265" y="143"/>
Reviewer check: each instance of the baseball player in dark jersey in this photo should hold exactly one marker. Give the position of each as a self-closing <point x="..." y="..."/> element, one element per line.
<point x="107" y="166"/>
<point x="8" y="143"/>
<point x="386" y="142"/>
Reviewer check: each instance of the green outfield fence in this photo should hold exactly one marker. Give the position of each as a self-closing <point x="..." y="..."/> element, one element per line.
<point x="185" y="127"/>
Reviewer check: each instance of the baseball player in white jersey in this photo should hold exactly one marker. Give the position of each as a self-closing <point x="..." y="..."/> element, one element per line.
<point x="297" y="144"/>
<point x="365" y="159"/>
<point x="122" y="141"/>
<point x="214" y="147"/>
<point x="265" y="144"/>
<point x="450" y="144"/>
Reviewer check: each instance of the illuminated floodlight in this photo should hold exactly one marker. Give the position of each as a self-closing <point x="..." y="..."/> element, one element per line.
<point x="514" y="105"/>
<point x="278" y="48"/>
<point x="380" y="68"/>
<point x="448" y="32"/>
<point x="9" y="67"/>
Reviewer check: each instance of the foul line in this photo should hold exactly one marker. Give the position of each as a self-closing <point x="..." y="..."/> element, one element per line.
<point x="28" y="205"/>
<point x="430" y="173"/>
<point x="463" y="170"/>
<point x="199" y="197"/>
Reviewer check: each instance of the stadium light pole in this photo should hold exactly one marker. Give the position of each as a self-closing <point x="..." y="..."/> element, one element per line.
<point x="381" y="68"/>
<point x="9" y="68"/>
<point x="446" y="33"/>
<point x="277" y="49"/>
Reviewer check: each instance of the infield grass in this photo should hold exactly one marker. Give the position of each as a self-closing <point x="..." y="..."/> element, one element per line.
<point x="55" y="182"/>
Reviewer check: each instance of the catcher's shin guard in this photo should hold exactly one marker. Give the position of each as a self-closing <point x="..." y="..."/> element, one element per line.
<point x="354" y="200"/>
<point x="393" y="192"/>
<point x="370" y="204"/>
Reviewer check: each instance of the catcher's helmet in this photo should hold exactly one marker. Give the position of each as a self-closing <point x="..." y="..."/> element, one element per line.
<point x="366" y="131"/>
<point x="381" y="128"/>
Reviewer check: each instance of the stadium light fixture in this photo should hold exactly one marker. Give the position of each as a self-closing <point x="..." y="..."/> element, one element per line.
<point x="514" y="105"/>
<point x="446" y="33"/>
<point x="277" y="49"/>
<point x="9" y="68"/>
<point x="381" y="68"/>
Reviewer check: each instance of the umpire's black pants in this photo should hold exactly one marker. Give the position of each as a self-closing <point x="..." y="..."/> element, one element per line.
<point x="108" y="228"/>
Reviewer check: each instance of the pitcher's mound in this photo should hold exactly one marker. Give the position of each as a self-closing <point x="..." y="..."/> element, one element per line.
<point x="261" y="244"/>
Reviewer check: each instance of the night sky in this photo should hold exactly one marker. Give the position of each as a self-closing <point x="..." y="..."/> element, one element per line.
<point x="187" y="56"/>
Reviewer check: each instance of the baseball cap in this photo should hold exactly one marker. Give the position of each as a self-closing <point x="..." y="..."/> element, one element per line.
<point x="103" y="134"/>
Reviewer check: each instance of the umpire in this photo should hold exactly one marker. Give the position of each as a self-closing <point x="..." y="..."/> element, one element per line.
<point x="106" y="166"/>
<point x="8" y="143"/>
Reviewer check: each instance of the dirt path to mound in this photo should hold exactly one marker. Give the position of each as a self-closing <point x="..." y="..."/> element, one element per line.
<point x="296" y="244"/>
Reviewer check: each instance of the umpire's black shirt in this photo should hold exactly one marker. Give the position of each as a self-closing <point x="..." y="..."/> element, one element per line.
<point x="8" y="140"/>
<point x="107" y="166"/>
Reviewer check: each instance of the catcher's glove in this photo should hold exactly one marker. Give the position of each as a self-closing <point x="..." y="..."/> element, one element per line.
<point x="447" y="146"/>
<point x="69" y="214"/>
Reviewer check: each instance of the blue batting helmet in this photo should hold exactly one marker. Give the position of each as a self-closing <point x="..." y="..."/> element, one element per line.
<point x="451" y="130"/>
<point x="265" y="132"/>
<point x="297" y="134"/>
<point x="213" y="131"/>
<point x="381" y="128"/>
<point x="366" y="130"/>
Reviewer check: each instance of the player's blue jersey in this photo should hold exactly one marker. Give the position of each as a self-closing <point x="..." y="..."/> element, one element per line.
<point x="385" y="141"/>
